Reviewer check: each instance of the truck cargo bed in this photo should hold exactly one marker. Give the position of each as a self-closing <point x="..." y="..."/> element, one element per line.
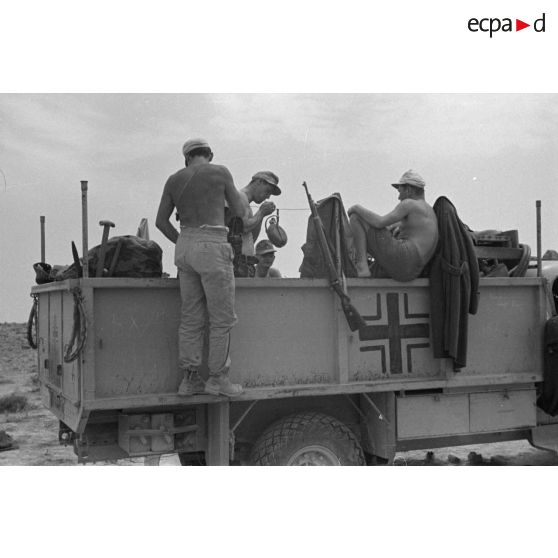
<point x="291" y="340"/>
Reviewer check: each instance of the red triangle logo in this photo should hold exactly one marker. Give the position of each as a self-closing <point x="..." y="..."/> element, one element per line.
<point x="519" y="25"/>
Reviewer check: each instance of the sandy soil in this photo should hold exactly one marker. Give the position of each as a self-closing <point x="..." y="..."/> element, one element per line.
<point x="35" y="430"/>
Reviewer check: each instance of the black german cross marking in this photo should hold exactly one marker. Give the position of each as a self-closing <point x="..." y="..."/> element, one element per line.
<point x="395" y="332"/>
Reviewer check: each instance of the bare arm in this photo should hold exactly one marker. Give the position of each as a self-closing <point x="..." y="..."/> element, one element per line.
<point x="400" y="211"/>
<point x="164" y="212"/>
<point x="253" y="223"/>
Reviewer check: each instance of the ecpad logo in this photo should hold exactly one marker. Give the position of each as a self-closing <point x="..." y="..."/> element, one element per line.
<point x="492" y="25"/>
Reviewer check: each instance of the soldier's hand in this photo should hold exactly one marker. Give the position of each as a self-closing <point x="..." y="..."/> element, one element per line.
<point x="267" y="208"/>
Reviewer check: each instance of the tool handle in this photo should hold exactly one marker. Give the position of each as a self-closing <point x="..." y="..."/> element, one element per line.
<point x="104" y="238"/>
<point x="85" y="248"/>
<point x="539" y="256"/>
<point x="43" y="256"/>
<point x="115" y="258"/>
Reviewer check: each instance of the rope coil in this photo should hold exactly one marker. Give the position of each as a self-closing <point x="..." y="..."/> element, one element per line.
<point x="32" y="323"/>
<point x="79" y="331"/>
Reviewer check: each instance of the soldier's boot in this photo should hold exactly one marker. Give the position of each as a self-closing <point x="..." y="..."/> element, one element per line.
<point x="192" y="384"/>
<point x="220" y="384"/>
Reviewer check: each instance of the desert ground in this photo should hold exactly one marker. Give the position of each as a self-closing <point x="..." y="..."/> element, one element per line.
<point x="34" y="430"/>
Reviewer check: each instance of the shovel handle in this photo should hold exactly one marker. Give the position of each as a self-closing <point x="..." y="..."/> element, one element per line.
<point x="43" y="256"/>
<point x="84" y="249"/>
<point x="101" y="261"/>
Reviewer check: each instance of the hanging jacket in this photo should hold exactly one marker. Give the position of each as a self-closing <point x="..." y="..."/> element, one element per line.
<point x="313" y="264"/>
<point x="454" y="285"/>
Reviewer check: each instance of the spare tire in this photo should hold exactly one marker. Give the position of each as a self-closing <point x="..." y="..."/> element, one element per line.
<point x="308" y="438"/>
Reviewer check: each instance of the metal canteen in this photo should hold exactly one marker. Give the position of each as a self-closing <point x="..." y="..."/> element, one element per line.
<point x="275" y="233"/>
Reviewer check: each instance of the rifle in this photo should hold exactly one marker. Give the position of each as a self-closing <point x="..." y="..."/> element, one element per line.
<point x="354" y="319"/>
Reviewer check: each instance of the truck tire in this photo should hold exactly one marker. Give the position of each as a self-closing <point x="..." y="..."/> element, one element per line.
<point x="308" y="438"/>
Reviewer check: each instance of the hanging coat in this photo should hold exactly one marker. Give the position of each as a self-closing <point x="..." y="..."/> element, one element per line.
<point x="313" y="264"/>
<point x="454" y="285"/>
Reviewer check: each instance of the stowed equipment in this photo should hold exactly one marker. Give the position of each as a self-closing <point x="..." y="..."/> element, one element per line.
<point x="354" y="319"/>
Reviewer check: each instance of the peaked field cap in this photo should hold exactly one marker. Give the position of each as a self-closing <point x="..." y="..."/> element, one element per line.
<point x="193" y="143"/>
<point x="410" y="178"/>
<point x="270" y="178"/>
<point x="264" y="247"/>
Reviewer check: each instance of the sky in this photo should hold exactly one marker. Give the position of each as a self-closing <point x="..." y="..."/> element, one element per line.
<point x="493" y="155"/>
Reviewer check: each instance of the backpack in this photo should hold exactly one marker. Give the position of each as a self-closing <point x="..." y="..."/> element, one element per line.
<point x="135" y="257"/>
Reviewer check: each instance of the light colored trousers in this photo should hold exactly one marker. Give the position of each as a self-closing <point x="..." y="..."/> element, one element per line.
<point x="205" y="270"/>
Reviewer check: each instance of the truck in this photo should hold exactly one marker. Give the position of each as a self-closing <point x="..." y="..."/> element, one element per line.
<point x="316" y="393"/>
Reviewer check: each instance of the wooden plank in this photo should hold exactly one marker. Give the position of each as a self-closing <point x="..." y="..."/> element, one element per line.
<point x="518" y="282"/>
<point x="43" y="340"/>
<point x="279" y="284"/>
<point x="70" y="370"/>
<point x="476" y="383"/>
<point x="218" y="434"/>
<point x="87" y="357"/>
<point x="498" y="252"/>
<point x="380" y="439"/>
<point x="241" y="283"/>
<point x="343" y="337"/>
<point x="55" y="286"/>
<point x="463" y="440"/>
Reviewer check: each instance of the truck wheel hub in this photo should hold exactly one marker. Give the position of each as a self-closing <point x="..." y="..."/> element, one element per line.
<point x="315" y="456"/>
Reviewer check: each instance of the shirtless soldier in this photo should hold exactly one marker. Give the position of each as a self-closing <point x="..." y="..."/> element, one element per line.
<point x="204" y="260"/>
<point x="401" y="242"/>
<point x="261" y="187"/>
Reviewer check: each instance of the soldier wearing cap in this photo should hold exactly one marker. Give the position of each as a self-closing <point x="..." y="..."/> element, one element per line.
<point x="401" y="242"/>
<point x="261" y="187"/>
<point x="265" y="253"/>
<point x="204" y="257"/>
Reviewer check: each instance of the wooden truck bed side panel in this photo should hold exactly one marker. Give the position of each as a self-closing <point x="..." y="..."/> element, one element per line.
<point x="135" y="347"/>
<point x="285" y="336"/>
<point x="60" y="380"/>
<point x="291" y="339"/>
<point x="507" y="331"/>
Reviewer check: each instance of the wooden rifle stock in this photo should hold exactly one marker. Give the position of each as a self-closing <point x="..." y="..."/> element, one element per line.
<point x="354" y="319"/>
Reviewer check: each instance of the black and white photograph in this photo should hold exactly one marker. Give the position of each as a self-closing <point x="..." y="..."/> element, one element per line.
<point x="241" y="238"/>
<point x="301" y="279"/>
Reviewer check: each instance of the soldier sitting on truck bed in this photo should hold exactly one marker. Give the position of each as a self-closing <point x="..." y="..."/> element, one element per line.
<point x="401" y="242"/>
<point x="204" y="260"/>
<point x="262" y="185"/>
